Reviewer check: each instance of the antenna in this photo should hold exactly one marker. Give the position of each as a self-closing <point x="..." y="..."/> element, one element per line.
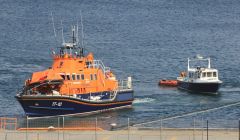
<point x="73" y="34"/>
<point x="82" y="29"/>
<point x="77" y="39"/>
<point x="62" y="32"/>
<point x="54" y="30"/>
<point x="209" y="63"/>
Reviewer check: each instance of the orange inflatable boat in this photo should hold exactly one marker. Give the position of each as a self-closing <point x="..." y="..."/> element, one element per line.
<point x="172" y="83"/>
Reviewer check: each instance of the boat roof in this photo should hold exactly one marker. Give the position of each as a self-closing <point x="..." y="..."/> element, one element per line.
<point x="202" y="69"/>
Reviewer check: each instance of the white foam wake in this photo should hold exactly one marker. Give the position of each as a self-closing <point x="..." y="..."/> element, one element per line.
<point x="230" y="89"/>
<point x="143" y="100"/>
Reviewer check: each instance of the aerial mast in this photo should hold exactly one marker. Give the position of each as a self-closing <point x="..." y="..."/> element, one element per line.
<point x="209" y="63"/>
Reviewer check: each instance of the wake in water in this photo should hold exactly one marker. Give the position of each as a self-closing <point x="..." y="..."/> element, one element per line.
<point x="143" y="100"/>
<point x="230" y="89"/>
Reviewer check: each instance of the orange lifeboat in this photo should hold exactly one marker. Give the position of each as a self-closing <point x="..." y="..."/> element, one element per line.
<point x="172" y="83"/>
<point x="76" y="83"/>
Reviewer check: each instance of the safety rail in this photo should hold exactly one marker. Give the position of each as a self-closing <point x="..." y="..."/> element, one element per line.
<point x="8" y="123"/>
<point x="99" y="64"/>
<point x="125" y="84"/>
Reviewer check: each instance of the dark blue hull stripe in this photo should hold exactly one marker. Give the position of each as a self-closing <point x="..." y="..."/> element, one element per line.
<point x="40" y="106"/>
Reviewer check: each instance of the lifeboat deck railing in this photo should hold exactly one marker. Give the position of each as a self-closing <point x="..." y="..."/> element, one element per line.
<point x="125" y="84"/>
<point x="99" y="64"/>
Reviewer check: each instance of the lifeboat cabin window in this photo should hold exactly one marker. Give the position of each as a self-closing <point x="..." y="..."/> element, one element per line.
<point x="68" y="77"/>
<point x="88" y="64"/>
<point x="209" y="74"/>
<point x="204" y="74"/>
<point x="82" y="76"/>
<point x="91" y="77"/>
<point x="214" y="74"/>
<point x="78" y="77"/>
<point x="63" y="77"/>
<point x="95" y="76"/>
<point x="73" y="77"/>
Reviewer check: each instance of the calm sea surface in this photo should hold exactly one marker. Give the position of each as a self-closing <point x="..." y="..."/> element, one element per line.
<point x="145" y="39"/>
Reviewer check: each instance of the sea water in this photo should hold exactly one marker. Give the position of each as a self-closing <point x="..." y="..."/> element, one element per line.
<point x="146" y="39"/>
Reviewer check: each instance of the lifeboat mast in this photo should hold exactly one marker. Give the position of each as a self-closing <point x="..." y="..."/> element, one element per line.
<point x="68" y="47"/>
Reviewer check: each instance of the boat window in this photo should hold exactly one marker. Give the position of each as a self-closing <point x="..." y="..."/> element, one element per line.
<point x="95" y="76"/>
<point x="209" y="74"/>
<point x="204" y="74"/>
<point x="68" y="77"/>
<point x="91" y="77"/>
<point x="88" y="64"/>
<point x="214" y="74"/>
<point x="63" y="77"/>
<point x="190" y="75"/>
<point x="73" y="77"/>
<point x="198" y="74"/>
<point x="78" y="77"/>
<point x="82" y="76"/>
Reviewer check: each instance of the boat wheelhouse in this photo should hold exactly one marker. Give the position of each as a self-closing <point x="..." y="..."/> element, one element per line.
<point x="76" y="83"/>
<point x="203" y="79"/>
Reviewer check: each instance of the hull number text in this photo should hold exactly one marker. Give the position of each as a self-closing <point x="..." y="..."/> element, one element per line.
<point x="56" y="103"/>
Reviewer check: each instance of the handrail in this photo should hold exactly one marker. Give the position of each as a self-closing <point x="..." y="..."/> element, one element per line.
<point x="125" y="84"/>
<point x="99" y="63"/>
<point x="5" y="122"/>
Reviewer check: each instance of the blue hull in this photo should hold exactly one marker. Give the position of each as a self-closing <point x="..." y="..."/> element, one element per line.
<point x="39" y="106"/>
<point x="199" y="87"/>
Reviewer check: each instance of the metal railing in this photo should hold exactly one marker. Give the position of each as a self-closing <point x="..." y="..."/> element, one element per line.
<point x="8" y="123"/>
<point x="123" y="84"/>
<point x="99" y="64"/>
<point x="70" y="128"/>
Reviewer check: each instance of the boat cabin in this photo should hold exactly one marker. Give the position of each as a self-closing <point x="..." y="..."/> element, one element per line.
<point x="203" y="74"/>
